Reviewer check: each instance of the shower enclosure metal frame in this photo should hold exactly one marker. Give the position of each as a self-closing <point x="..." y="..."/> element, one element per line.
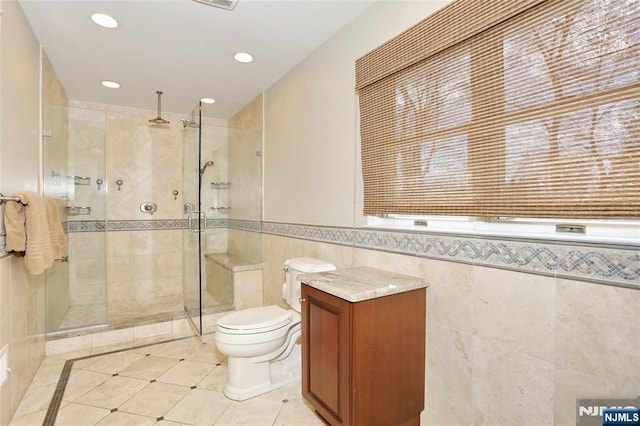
<point x="192" y="235"/>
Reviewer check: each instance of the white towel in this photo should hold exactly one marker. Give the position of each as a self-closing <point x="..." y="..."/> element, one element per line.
<point x="34" y="229"/>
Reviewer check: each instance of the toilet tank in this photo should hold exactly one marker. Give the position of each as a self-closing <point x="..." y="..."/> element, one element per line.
<point x="300" y="265"/>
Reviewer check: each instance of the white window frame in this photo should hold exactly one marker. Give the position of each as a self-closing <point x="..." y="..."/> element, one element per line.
<point x="625" y="232"/>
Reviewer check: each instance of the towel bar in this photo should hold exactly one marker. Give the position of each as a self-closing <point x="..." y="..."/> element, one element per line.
<point x="3" y="199"/>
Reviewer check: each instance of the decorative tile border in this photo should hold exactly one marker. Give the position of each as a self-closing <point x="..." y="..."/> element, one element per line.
<point x="616" y="265"/>
<point x="245" y="225"/>
<point x="135" y="225"/>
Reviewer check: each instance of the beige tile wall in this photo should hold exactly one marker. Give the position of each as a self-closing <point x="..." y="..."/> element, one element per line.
<point x="503" y="347"/>
<point x="245" y="175"/>
<point x="22" y="326"/>
<point x="22" y="312"/>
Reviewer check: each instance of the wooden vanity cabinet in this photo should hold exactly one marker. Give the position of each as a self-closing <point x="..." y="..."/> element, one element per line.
<point x="363" y="363"/>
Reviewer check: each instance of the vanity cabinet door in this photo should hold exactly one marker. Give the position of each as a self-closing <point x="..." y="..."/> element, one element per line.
<point x="363" y="363"/>
<point x="326" y="365"/>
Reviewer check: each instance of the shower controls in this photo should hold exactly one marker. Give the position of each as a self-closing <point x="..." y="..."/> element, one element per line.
<point x="99" y="182"/>
<point x="189" y="207"/>
<point x="175" y="193"/>
<point x="148" y="207"/>
<point x="119" y="182"/>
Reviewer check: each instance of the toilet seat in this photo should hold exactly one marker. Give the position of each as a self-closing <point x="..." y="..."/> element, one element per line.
<point x="255" y="320"/>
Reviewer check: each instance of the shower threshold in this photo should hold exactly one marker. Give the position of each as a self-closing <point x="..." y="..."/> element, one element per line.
<point x="145" y="330"/>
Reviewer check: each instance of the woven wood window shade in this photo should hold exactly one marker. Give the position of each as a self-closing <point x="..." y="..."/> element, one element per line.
<point x="506" y="108"/>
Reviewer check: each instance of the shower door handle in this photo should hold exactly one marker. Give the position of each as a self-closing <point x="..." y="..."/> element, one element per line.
<point x="190" y="221"/>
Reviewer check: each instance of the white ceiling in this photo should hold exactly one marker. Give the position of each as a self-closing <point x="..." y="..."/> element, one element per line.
<point x="181" y="47"/>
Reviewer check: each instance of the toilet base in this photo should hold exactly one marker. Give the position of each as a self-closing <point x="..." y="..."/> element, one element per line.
<point x="246" y="379"/>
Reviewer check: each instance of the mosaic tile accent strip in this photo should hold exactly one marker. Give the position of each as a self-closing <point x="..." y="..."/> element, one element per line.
<point x="606" y="264"/>
<point x="136" y="225"/>
<point x="612" y="265"/>
<point x="146" y="225"/>
<point x="245" y="225"/>
<point x="84" y="226"/>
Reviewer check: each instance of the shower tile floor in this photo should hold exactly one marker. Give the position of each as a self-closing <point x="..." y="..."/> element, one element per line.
<point x="170" y="383"/>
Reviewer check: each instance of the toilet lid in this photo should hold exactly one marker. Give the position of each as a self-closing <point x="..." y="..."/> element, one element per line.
<point x="264" y="318"/>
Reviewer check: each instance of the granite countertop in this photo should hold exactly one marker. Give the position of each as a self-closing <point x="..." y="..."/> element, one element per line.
<point x="362" y="283"/>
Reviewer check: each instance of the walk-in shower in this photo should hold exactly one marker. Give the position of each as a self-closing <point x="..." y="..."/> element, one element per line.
<point x="124" y="267"/>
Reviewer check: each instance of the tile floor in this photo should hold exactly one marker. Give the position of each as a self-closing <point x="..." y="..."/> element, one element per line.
<point x="172" y="383"/>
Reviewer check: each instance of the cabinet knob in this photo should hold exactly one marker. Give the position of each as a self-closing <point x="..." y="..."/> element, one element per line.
<point x="301" y="300"/>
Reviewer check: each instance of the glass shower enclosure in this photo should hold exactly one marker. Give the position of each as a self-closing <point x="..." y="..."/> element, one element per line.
<point x="74" y="170"/>
<point x="222" y="187"/>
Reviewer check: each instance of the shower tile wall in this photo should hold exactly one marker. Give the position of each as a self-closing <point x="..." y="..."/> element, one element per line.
<point x="145" y="267"/>
<point x="245" y="175"/>
<point x="87" y="250"/>
<point x="215" y="143"/>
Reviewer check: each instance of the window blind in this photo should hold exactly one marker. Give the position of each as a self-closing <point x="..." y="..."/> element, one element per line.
<point x="516" y="109"/>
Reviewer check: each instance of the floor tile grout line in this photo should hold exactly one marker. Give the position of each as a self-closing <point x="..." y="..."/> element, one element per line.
<point x="56" y="400"/>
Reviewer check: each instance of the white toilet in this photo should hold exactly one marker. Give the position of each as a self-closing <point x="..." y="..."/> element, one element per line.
<point x="261" y="343"/>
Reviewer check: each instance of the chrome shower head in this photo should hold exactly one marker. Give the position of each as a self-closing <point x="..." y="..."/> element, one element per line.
<point x="159" y="119"/>
<point x="188" y="123"/>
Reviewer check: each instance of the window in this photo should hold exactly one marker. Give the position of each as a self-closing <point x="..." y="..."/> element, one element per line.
<point x="506" y="109"/>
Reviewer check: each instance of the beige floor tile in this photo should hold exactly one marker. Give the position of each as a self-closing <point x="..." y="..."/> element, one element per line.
<point x="199" y="407"/>
<point x="113" y="393"/>
<point x="80" y="415"/>
<point x="113" y="363"/>
<point x="50" y="361"/>
<point x="206" y="353"/>
<point x="81" y="382"/>
<point x="151" y="339"/>
<point x="178" y="349"/>
<point x="148" y="383"/>
<point x="155" y="400"/>
<point x="35" y="399"/>
<point x="186" y="373"/>
<point x="215" y="380"/>
<point x="255" y="412"/>
<point x="29" y="420"/>
<point x="284" y="392"/>
<point x="149" y="368"/>
<point x="126" y="419"/>
<point x="47" y="375"/>
<point x="97" y="350"/>
<point x="297" y="412"/>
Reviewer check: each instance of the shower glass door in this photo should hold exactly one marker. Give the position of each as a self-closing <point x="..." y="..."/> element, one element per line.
<point x="195" y="220"/>
<point x="74" y="174"/>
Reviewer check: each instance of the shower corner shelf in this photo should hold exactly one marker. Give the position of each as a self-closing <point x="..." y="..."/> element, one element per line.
<point x="77" y="211"/>
<point x="220" y="185"/>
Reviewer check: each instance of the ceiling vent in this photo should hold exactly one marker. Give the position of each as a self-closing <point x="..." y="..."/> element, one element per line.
<point x="224" y="4"/>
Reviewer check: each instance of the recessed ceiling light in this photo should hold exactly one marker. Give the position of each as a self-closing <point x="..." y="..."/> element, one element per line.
<point x="208" y="101"/>
<point x="244" y="57"/>
<point x="103" y="20"/>
<point x="110" y="84"/>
